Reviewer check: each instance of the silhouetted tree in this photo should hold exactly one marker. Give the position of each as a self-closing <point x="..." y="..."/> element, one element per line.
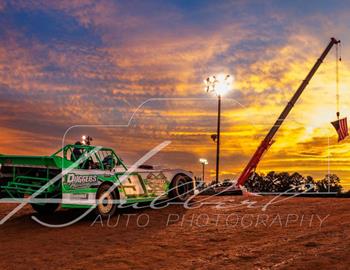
<point x="255" y="183"/>
<point x="330" y="180"/>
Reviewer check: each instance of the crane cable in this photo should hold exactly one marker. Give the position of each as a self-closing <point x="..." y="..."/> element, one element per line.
<point x="337" y="60"/>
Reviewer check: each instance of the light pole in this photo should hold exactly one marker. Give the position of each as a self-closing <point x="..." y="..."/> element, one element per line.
<point x="204" y="162"/>
<point x="219" y="84"/>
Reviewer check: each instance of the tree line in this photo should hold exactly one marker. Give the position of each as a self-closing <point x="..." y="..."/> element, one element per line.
<point x="295" y="182"/>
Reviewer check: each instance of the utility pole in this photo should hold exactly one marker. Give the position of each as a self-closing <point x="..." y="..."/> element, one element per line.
<point x="218" y="141"/>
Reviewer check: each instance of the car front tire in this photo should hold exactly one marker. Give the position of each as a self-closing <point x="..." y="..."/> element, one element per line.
<point x="106" y="205"/>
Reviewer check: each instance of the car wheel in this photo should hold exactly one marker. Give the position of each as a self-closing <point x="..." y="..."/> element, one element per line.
<point x="106" y="205"/>
<point x="180" y="188"/>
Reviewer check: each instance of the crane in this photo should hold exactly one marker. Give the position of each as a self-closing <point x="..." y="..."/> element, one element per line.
<point x="268" y="140"/>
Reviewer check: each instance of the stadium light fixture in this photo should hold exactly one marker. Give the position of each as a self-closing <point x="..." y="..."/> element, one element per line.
<point x="86" y="140"/>
<point x="219" y="84"/>
<point x="203" y="161"/>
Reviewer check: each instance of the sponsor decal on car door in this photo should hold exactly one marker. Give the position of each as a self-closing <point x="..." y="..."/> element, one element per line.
<point x="156" y="183"/>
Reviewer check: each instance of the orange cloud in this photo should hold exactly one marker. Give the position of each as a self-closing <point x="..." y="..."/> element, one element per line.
<point x="106" y="83"/>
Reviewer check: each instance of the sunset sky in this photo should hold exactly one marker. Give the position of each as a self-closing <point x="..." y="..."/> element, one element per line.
<point x="69" y="63"/>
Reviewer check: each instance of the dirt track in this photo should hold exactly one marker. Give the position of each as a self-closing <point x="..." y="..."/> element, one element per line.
<point x="294" y="234"/>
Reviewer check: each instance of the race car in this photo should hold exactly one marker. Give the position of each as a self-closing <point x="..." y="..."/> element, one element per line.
<point x="78" y="176"/>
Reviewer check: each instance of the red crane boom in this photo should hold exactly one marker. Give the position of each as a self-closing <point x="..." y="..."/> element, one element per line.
<point x="266" y="143"/>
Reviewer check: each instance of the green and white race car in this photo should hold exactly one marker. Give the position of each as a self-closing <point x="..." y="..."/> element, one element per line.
<point x="78" y="176"/>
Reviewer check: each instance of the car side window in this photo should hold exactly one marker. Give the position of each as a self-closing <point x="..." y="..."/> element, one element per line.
<point x="107" y="159"/>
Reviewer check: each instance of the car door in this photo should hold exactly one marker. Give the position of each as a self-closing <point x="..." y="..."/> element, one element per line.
<point x="155" y="182"/>
<point x="133" y="186"/>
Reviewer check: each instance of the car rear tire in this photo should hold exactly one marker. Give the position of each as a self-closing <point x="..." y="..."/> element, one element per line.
<point x="180" y="188"/>
<point x="105" y="200"/>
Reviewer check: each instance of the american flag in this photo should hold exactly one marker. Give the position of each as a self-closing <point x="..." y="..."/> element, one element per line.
<point x="341" y="126"/>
